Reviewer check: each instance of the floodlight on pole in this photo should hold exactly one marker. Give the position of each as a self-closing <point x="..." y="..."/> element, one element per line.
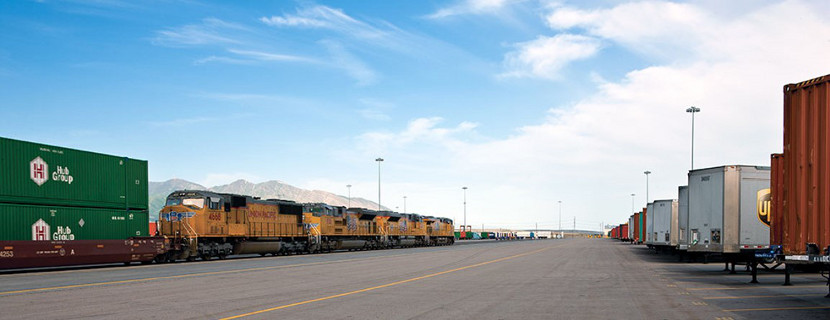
<point x="647" y="173"/>
<point x="561" y="235"/>
<point x="693" y="110"/>
<point x="379" y="160"/>
<point x="465" y="208"/>
<point x="348" y="186"/>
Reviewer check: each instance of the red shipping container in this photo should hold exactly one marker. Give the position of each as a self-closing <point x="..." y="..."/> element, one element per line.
<point x="806" y="186"/>
<point x="153" y="229"/>
<point x="776" y="232"/>
<point x="624" y="231"/>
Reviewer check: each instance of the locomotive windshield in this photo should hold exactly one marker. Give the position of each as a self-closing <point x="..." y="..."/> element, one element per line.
<point x="190" y="202"/>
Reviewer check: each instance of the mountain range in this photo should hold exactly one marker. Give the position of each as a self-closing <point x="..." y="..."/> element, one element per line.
<point x="265" y="190"/>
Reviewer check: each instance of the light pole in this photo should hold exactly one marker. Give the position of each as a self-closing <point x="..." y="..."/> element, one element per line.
<point x="404" y="204"/>
<point x="350" y="195"/>
<point x="465" y="208"/>
<point x="561" y="235"/>
<point x="379" y="160"/>
<point x="632" y="203"/>
<point x="693" y="110"/>
<point x="647" y="173"/>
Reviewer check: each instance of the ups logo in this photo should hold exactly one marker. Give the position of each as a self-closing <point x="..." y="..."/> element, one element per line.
<point x="764" y="206"/>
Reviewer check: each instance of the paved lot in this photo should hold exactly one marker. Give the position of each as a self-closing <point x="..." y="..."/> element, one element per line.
<point x="564" y="279"/>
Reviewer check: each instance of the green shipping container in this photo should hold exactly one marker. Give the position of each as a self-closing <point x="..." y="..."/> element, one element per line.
<point x="33" y="173"/>
<point x="44" y="223"/>
<point x="485" y="235"/>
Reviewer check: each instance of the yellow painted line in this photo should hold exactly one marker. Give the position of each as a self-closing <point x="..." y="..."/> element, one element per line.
<point x="728" y="275"/>
<point x="756" y="297"/>
<point x="383" y="286"/>
<point x="754" y="288"/>
<point x="189" y="275"/>
<point x="776" y="309"/>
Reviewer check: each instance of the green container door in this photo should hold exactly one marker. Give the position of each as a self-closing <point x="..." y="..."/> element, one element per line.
<point x="137" y="185"/>
<point x="34" y="173"/>
<point x="138" y="224"/>
<point x="30" y="222"/>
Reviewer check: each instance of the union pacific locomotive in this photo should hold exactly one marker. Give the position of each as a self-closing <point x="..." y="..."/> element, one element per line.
<point x="210" y="225"/>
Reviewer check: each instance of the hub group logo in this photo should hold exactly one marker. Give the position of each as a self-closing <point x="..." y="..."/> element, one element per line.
<point x="39" y="171"/>
<point x="40" y="230"/>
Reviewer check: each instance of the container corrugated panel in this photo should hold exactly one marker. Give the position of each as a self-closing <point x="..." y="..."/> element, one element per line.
<point x="137" y="184"/>
<point x="649" y="224"/>
<point x="776" y="231"/>
<point x="724" y="205"/>
<point x="806" y="213"/>
<point x="683" y="217"/>
<point x="637" y="222"/>
<point x="662" y="221"/>
<point x="43" y="223"/>
<point x="35" y="173"/>
<point x="624" y="231"/>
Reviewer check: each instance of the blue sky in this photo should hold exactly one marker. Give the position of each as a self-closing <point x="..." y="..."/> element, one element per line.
<point x="524" y="102"/>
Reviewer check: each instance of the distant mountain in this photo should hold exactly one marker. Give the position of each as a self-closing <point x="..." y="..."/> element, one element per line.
<point x="266" y="190"/>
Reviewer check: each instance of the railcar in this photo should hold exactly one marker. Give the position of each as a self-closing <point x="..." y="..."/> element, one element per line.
<point x="210" y="225"/>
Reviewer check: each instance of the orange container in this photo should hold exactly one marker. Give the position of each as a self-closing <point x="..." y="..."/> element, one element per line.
<point x="776" y="232"/>
<point x="805" y="217"/>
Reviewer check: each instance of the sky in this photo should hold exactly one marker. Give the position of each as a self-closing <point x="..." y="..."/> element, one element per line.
<point x="526" y="103"/>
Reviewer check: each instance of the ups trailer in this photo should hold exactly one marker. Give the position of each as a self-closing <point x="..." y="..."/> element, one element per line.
<point x="664" y="220"/>
<point x="724" y="207"/>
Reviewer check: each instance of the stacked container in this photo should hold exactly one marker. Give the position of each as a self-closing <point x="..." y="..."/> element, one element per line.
<point x="54" y="193"/>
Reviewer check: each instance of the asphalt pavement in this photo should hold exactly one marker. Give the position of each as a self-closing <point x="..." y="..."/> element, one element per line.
<point x="542" y="279"/>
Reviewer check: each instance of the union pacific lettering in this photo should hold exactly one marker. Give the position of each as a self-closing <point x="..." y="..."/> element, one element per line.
<point x="261" y="214"/>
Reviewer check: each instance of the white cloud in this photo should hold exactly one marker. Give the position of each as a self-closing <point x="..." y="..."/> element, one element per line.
<point x="353" y="66"/>
<point x="591" y="153"/>
<point x="268" y="56"/>
<point x="421" y="130"/>
<point x="546" y="56"/>
<point x="211" y="31"/>
<point x="472" y="7"/>
<point x="327" y="18"/>
<point x="376" y="109"/>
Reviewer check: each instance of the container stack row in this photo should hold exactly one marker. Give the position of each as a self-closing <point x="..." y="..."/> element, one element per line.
<point x="53" y="193"/>
<point x="61" y="206"/>
<point x="757" y="214"/>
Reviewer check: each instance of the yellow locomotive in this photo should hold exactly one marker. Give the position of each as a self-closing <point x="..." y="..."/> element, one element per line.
<point x="207" y="224"/>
